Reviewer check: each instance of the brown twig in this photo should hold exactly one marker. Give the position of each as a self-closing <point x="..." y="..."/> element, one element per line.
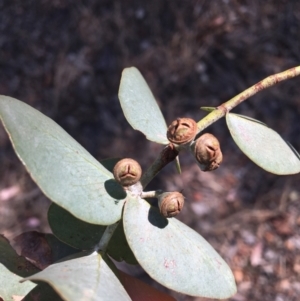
<point x="167" y="155"/>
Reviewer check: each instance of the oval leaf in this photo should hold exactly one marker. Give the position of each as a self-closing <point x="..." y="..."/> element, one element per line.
<point x="174" y="254"/>
<point x="140" y="107"/>
<point x="72" y="231"/>
<point x="86" y="278"/>
<point x="262" y="145"/>
<point x="85" y="236"/>
<point x="62" y="168"/>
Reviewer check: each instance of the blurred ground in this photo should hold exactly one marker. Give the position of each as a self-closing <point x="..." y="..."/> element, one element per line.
<point x="65" y="58"/>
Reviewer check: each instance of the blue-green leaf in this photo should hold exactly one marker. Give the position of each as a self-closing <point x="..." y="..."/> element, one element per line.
<point x="10" y="285"/>
<point x="140" y="107"/>
<point x="262" y="145"/>
<point x="85" y="236"/>
<point x="72" y="231"/>
<point x="62" y="168"/>
<point x="174" y="254"/>
<point x="86" y="278"/>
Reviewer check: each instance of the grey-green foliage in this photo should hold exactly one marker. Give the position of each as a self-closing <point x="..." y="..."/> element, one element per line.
<point x="140" y="108"/>
<point x="83" y="278"/>
<point x="263" y="145"/>
<point x="85" y="236"/>
<point x="174" y="254"/>
<point x="62" y="168"/>
<point x="86" y="199"/>
<point x="83" y="186"/>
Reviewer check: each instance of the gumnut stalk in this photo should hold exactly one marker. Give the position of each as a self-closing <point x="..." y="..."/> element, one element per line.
<point x="207" y="152"/>
<point x="170" y="203"/>
<point x="127" y="172"/>
<point x="182" y="131"/>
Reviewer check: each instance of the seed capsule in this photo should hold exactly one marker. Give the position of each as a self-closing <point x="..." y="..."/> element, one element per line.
<point x="182" y="130"/>
<point x="207" y="152"/>
<point x="170" y="203"/>
<point x="127" y="172"/>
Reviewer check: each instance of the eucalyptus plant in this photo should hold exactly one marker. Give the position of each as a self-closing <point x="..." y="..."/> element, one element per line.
<point x="101" y="210"/>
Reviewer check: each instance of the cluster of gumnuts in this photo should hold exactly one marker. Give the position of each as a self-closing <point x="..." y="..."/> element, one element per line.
<point x="182" y="134"/>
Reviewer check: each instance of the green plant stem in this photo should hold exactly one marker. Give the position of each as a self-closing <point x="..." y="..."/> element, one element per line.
<point x="233" y="102"/>
<point x="107" y="235"/>
<point x="216" y="114"/>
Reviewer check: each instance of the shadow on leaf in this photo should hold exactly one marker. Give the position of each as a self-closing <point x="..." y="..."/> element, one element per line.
<point x="115" y="190"/>
<point x="156" y="219"/>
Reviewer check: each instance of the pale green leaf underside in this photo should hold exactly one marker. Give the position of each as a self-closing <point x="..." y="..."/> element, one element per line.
<point x="174" y="254"/>
<point x="262" y="145"/>
<point x="140" y="107"/>
<point x="86" y="278"/>
<point x="62" y="168"/>
<point x="10" y="285"/>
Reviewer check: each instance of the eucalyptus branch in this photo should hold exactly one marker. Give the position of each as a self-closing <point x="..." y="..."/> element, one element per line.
<point x="167" y="155"/>
<point x="170" y="152"/>
<point x="107" y="235"/>
<point x="221" y="110"/>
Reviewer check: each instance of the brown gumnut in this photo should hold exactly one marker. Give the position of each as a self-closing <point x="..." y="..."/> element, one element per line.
<point x="170" y="203"/>
<point x="127" y="172"/>
<point x="182" y="130"/>
<point x="207" y="152"/>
